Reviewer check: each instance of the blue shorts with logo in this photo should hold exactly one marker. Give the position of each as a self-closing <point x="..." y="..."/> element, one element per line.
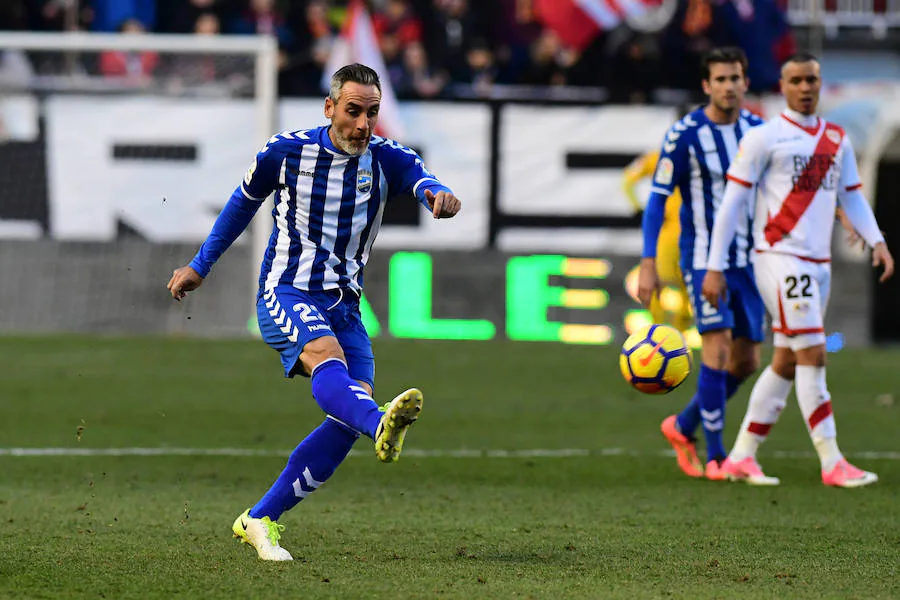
<point x="290" y="318"/>
<point x="743" y="311"/>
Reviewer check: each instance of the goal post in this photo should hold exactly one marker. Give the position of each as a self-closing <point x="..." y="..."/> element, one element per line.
<point x="123" y="122"/>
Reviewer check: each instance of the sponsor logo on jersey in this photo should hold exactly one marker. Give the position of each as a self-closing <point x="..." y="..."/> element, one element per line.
<point x="363" y="181"/>
<point x="664" y="171"/>
<point x="801" y="307"/>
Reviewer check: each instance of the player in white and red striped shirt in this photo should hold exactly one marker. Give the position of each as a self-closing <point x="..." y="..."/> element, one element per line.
<point x="796" y="170"/>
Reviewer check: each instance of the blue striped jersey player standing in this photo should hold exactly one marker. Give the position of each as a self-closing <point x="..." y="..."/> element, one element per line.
<point x="695" y="157"/>
<point x="331" y="184"/>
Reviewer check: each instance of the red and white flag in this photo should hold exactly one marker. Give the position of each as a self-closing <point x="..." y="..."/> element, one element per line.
<point x="578" y="22"/>
<point x="358" y="43"/>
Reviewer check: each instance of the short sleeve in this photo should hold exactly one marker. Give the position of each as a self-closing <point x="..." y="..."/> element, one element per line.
<point x="672" y="160"/>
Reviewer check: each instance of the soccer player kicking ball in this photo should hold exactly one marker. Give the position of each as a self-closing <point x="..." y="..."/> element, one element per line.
<point x="794" y="171"/>
<point x="331" y="186"/>
<point x="695" y="157"/>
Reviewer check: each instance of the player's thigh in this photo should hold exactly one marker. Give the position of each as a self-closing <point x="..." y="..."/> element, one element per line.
<point x="747" y="305"/>
<point x="290" y="319"/>
<point x="795" y="292"/>
<point x="357" y="346"/>
<point x="706" y="316"/>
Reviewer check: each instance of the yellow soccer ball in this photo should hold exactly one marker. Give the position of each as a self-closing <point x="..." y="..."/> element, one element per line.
<point x="655" y="359"/>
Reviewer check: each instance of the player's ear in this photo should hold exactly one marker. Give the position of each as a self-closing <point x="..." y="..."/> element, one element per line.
<point x="705" y="85"/>
<point x="329" y="107"/>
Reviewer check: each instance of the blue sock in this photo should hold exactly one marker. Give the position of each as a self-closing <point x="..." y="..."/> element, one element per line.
<point x="689" y="419"/>
<point x="310" y="464"/>
<point x="344" y="399"/>
<point x="732" y="384"/>
<point x="711" y="396"/>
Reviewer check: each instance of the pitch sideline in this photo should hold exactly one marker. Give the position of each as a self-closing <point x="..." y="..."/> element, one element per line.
<point x="410" y="452"/>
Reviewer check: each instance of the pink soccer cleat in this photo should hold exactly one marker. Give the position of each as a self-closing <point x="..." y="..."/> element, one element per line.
<point x="685" y="452"/>
<point x="846" y="475"/>
<point x="748" y="471"/>
<point x="714" y="471"/>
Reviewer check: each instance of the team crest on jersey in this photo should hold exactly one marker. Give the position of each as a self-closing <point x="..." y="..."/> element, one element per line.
<point x="363" y="181"/>
<point x="834" y="136"/>
<point x="664" y="171"/>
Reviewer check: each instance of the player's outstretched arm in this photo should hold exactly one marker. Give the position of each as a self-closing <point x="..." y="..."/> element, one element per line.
<point x="443" y="205"/>
<point x="184" y="279"/>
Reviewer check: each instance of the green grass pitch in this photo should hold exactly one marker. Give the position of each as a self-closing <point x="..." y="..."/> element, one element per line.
<point x="612" y="519"/>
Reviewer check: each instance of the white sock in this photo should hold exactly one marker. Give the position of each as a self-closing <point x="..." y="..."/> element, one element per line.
<point x="767" y="399"/>
<point x="815" y="403"/>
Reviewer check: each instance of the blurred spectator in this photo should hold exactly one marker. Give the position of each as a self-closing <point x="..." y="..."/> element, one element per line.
<point x="549" y="61"/>
<point x="398" y="21"/>
<point x="315" y="36"/>
<point x="760" y="27"/>
<point x="263" y="17"/>
<point x="181" y="16"/>
<point x="453" y="37"/>
<point x="513" y="30"/>
<point x="109" y="15"/>
<point x="687" y="38"/>
<point x="482" y="68"/>
<point x="418" y="79"/>
<point x="133" y="65"/>
<point x="633" y="73"/>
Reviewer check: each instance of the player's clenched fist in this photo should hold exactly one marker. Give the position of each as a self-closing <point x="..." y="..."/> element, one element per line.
<point x="184" y="280"/>
<point x="443" y="204"/>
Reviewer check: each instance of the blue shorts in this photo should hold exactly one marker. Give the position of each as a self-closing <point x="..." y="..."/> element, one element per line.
<point x="290" y="318"/>
<point x="743" y="311"/>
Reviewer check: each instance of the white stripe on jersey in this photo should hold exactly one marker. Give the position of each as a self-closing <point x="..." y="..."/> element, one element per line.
<point x="334" y="191"/>
<point x="308" y="158"/>
<point x="716" y="170"/>
<point x="283" y="239"/>
<point x="698" y="206"/>
<point x="376" y="224"/>
<point x="360" y="218"/>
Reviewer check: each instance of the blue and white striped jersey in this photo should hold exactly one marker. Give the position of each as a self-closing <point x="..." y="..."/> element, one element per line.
<point x="328" y="205"/>
<point x="695" y="157"/>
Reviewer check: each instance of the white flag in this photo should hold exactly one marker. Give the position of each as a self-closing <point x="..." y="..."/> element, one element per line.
<point x="358" y="44"/>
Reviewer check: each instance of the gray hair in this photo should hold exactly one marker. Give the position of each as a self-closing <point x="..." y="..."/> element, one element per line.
<point x="356" y="73"/>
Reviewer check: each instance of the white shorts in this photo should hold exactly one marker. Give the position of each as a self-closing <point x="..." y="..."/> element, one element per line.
<point x="795" y="292"/>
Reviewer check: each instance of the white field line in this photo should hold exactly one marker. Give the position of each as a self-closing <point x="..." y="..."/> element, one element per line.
<point x="410" y="452"/>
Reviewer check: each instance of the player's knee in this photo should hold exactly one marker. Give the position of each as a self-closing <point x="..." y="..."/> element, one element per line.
<point x="784" y="363"/>
<point x="814" y="356"/>
<point x="319" y="350"/>
<point x="716" y="350"/>
<point x="745" y="367"/>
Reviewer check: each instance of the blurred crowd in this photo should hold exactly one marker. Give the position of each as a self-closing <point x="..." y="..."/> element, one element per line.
<point x="436" y="48"/>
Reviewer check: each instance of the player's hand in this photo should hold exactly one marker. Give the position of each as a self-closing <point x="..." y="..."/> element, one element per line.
<point x="648" y="281"/>
<point x="853" y="237"/>
<point x="882" y="256"/>
<point x="443" y="205"/>
<point x="184" y="280"/>
<point x="714" y="287"/>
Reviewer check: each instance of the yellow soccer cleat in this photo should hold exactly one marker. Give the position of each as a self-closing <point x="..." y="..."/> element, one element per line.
<point x="399" y="415"/>
<point x="263" y="534"/>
